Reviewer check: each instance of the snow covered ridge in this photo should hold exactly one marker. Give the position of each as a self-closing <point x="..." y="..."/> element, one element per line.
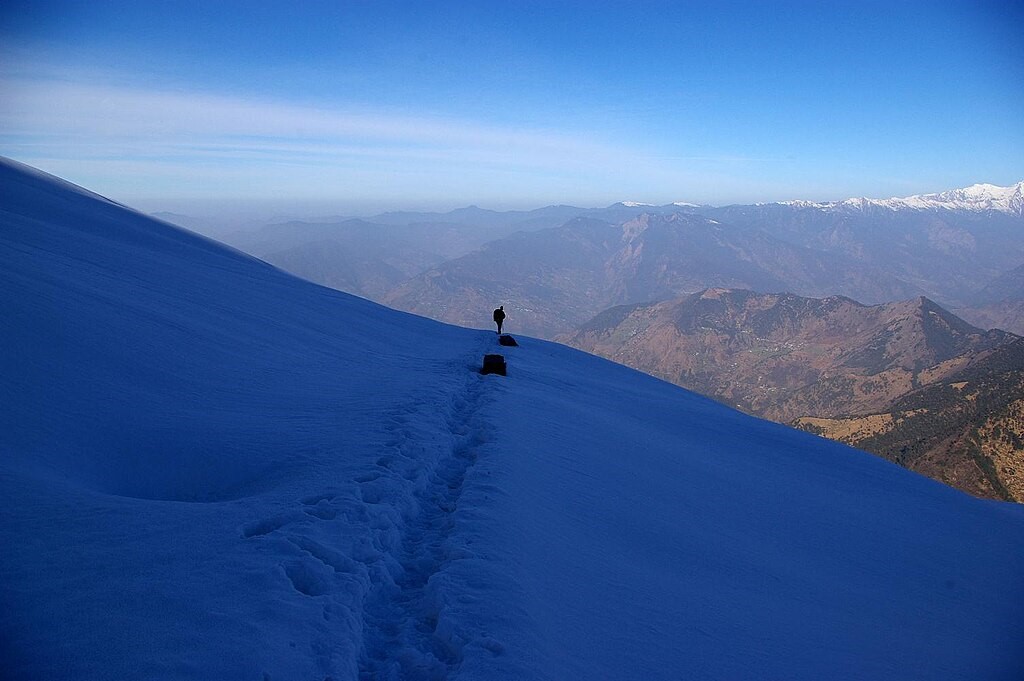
<point x="977" y="197"/>
<point x="210" y="469"/>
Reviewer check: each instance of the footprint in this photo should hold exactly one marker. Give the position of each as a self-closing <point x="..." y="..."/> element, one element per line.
<point x="259" y="528"/>
<point x="333" y="559"/>
<point x="307" y="578"/>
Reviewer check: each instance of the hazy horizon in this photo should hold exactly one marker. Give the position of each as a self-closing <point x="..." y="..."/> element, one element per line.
<point x="261" y="210"/>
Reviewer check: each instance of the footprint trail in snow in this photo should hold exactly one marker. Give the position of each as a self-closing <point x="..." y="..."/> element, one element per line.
<point x="383" y="591"/>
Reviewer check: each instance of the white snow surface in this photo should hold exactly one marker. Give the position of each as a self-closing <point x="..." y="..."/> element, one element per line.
<point x="210" y="469"/>
<point x="977" y="197"/>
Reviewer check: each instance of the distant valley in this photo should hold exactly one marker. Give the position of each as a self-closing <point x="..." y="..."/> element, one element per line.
<point x="555" y="279"/>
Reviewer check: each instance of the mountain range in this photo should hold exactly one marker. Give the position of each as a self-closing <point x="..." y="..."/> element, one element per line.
<point x="955" y="247"/>
<point x="557" y="278"/>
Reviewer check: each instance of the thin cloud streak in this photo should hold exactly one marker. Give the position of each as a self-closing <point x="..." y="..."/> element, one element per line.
<point x="70" y="117"/>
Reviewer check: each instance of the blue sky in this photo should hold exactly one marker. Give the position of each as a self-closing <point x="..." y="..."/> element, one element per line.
<point x="358" y="106"/>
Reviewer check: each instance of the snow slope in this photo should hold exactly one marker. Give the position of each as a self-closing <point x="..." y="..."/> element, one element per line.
<point x="210" y="469"/>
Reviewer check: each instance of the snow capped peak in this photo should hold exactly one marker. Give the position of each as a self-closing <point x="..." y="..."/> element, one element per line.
<point x="685" y="204"/>
<point x="977" y="197"/>
<point x="981" y="197"/>
<point x="635" y="204"/>
<point x="799" y="203"/>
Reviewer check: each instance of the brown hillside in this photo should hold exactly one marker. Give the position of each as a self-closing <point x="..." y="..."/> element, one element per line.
<point x="785" y="357"/>
<point x="966" y="430"/>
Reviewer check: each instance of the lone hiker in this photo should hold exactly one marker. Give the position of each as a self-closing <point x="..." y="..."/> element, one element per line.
<point x="499" y="317"/>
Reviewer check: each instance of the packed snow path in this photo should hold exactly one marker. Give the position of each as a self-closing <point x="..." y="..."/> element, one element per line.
<point x="211" y="469"/>
<point x="402" y="610"/>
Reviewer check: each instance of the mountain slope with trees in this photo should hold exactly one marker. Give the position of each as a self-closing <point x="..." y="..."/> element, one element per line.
<point x="795" y="359"/>
<point x="966" y="429"/>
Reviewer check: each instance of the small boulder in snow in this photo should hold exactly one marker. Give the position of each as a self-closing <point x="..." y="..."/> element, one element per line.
<point x="493" y="364"/>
